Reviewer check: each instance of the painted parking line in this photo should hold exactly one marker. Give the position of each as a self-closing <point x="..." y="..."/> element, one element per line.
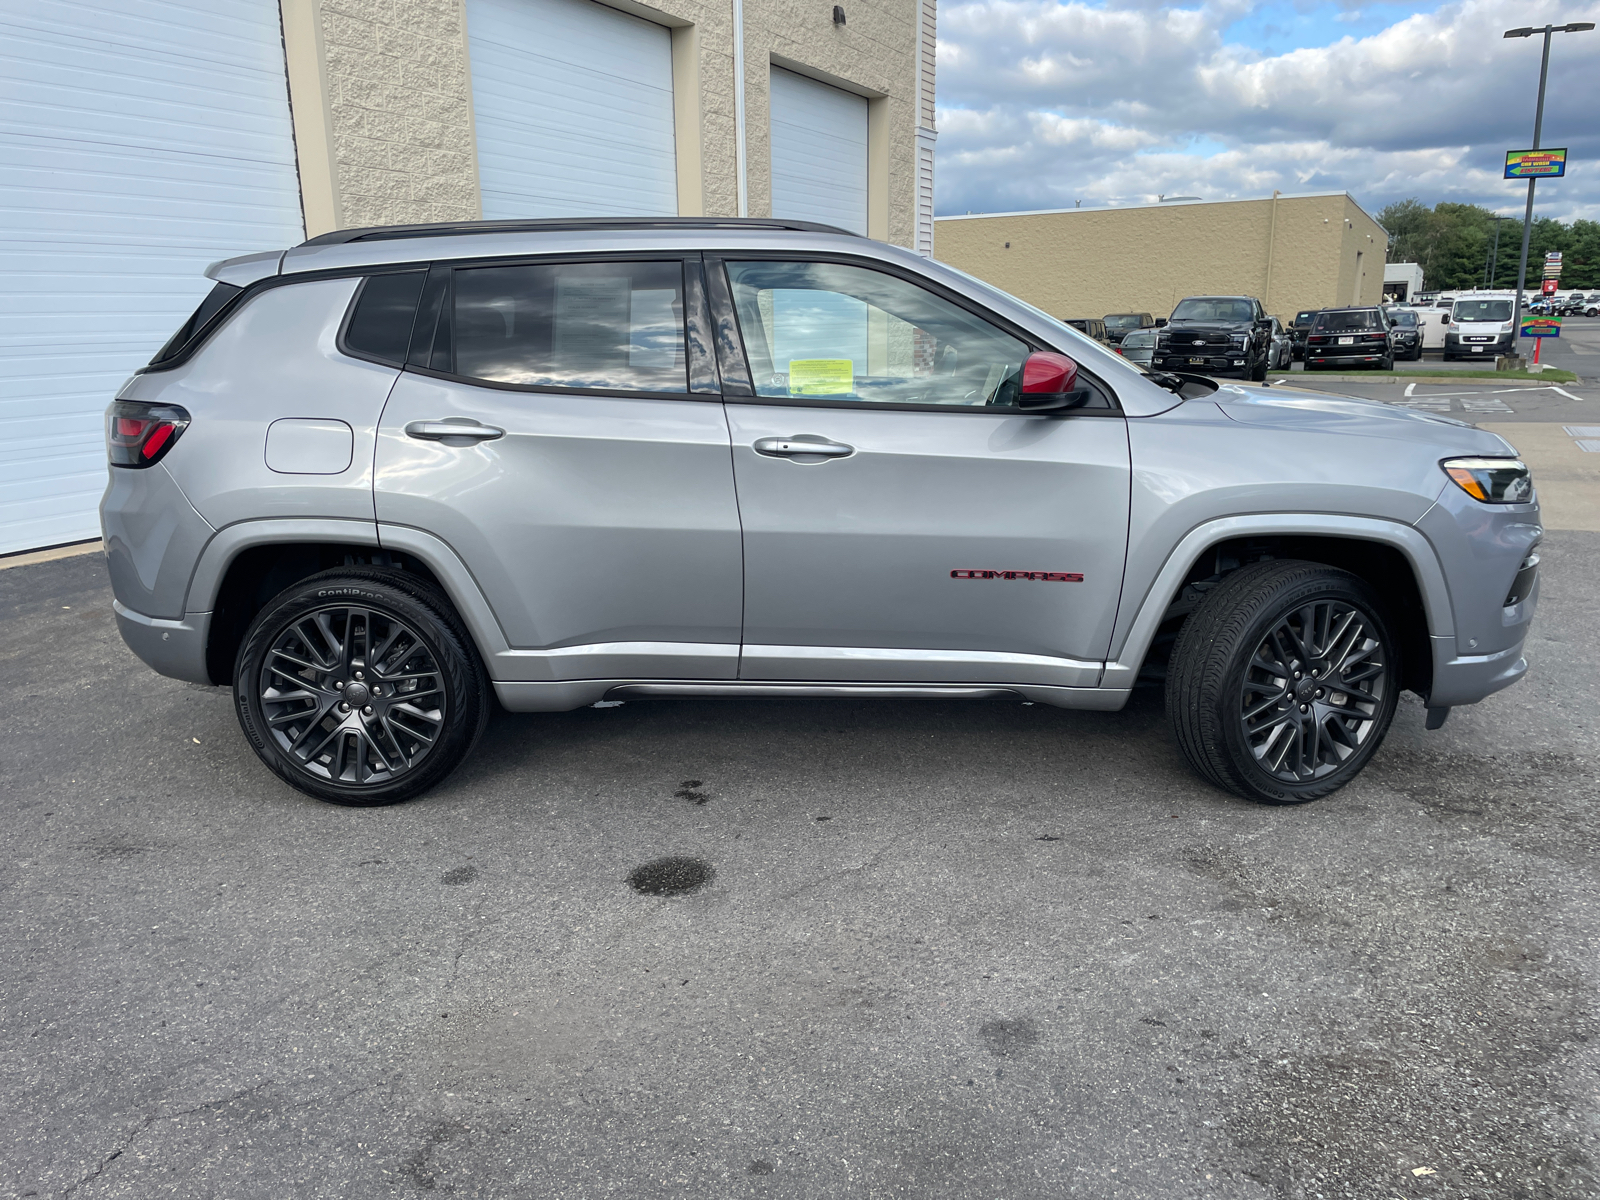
<point x="1567" y="478"/>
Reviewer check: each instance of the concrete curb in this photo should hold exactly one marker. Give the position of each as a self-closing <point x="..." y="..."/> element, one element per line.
<point x="29" y="557"/>
<point x="1409" y="378"/>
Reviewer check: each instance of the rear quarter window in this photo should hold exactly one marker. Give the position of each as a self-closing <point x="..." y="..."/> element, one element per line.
<point x="217" y="299"/>
<point x="380" y="321"/>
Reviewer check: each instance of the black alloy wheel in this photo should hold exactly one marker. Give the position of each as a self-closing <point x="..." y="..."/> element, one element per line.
<point x="360" y="687"/>
<point x="1283" y="682"/>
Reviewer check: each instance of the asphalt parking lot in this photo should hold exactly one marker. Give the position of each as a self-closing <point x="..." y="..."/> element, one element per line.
<point x="947" y="949"/>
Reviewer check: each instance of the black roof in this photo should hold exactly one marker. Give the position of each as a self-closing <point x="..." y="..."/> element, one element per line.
<point x="378" y="233"/>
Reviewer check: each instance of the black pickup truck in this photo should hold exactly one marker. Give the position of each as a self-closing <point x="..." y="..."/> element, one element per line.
<point x="1217" y="335"/>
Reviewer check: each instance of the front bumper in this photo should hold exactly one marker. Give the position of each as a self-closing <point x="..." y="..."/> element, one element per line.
<point x="173" y="648"/>
<point x="1473" y="345"/>
<point x="1207" y="365"/>
<point x="1466" y="679"/>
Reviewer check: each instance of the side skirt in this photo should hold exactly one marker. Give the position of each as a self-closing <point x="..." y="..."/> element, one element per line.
<point x="570" y="694"/>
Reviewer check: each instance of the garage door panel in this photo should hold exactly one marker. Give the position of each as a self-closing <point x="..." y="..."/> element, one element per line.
<point x="573" y="106"/>
<point x="143" y="140"/>
<point x="819" y="152"/>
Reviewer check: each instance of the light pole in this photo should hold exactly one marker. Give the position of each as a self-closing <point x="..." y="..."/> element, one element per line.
<point x="1538" y="126"/>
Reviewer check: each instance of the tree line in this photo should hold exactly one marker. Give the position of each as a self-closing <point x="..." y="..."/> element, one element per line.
<point x="1454" y="244"/>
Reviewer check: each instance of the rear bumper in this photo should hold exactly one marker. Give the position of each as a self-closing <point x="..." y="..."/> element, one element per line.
<point x="173" y="648"/>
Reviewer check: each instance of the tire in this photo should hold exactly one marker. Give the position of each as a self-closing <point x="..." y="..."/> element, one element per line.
<point x="1258" y="373"/>
<point x="367" y="742"/>
<point x="1213" y="683"/>
<point x="1386" y="364"/>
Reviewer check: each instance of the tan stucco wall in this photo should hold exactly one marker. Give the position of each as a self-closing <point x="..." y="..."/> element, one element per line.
<point x="1090" y="262"/>
<point x="382" y="95"/>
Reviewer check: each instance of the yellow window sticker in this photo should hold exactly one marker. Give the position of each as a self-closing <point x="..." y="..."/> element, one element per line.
<point x="821" y="377"/>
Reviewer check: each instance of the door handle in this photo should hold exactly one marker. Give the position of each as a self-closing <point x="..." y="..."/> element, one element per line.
<point x="440" y="431"/>
<point x="788" y="447"/>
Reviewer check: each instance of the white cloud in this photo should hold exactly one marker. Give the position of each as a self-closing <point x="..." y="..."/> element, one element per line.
<point x="1044" y="104"/>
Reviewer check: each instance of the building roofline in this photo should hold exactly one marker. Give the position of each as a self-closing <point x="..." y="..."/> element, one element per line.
<point x="1049" y="212"/>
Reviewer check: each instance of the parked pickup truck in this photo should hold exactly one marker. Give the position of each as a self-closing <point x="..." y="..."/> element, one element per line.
<point x="388" y="478"/>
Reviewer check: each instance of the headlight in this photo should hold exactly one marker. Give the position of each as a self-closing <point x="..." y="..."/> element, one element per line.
<point x="1240" y="339"/>
<point x="1491" y="480"/>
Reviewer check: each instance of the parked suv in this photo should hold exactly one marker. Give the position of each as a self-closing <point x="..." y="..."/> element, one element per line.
<point x="1218" y="335"/>
<point x="1405" y="327"/>
<point x="390" y="476"/>
<point x="1300" y="330"/>
<point x="1350" y="337"/>
<point x="1092" y="327"/>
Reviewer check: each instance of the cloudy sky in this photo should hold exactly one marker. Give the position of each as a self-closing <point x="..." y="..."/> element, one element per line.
<point x="1043" y="104"/>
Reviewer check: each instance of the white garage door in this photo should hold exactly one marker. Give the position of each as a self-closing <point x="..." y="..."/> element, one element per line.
<point x="573" y="105"/>
<point x="819" y="152"/>
<point x="142" y="139"/>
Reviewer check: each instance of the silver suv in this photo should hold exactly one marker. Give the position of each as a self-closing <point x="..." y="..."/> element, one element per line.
<point x="389" y="475"/>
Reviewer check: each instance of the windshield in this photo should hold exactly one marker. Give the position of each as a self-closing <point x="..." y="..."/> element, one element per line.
<point x="1357" y="318"/>
<point x="1407" y="319"/>
<point x="1482" y="310"/>
<point x="1139" y="337"/>
<point x="1304" y="318"/>
<point x="1122" y="321"/>
<point x="1211" y="309"/>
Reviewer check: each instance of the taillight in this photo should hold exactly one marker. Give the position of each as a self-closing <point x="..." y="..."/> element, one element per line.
<point x="138" y="435"/>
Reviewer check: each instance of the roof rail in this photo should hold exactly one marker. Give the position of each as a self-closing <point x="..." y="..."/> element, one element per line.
<point x="378" y="233"/>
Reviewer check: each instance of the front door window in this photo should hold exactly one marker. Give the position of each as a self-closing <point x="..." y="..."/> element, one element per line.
<point x="833" y="332"/>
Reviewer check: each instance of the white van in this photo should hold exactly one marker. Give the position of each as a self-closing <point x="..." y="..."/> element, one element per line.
<point x="1481" y="326"/>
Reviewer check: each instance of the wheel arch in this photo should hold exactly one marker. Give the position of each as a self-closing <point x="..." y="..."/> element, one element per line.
<point x="1394" y="558"/>
<point x="246" y="565"/>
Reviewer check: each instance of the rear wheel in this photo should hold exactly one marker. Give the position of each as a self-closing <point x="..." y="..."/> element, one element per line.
<point x="1386" y="364"/>
<point x="1283" y="682"/>
<point x="360" y="687"/>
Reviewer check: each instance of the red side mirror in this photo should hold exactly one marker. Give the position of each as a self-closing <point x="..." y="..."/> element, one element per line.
<point x="1050" y="380"/>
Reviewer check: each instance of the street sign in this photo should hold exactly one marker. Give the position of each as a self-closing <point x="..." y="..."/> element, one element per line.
<point x="1541" y="327"/>
<point x="1536" y="164"/>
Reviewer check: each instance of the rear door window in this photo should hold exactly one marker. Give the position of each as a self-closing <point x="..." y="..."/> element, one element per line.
<point x="593" y="326"/>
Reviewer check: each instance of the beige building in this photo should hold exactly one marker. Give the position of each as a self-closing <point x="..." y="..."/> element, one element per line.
<point x="1291" y="252"/>
<point x="399" y="106"/>
<point x="180" y="134"/>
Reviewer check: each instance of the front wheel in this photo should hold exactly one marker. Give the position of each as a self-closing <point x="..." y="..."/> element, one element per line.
<point x="360" y="687"/>
<point x="1283" y="682"/>
<point x="1258" y="373"/>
